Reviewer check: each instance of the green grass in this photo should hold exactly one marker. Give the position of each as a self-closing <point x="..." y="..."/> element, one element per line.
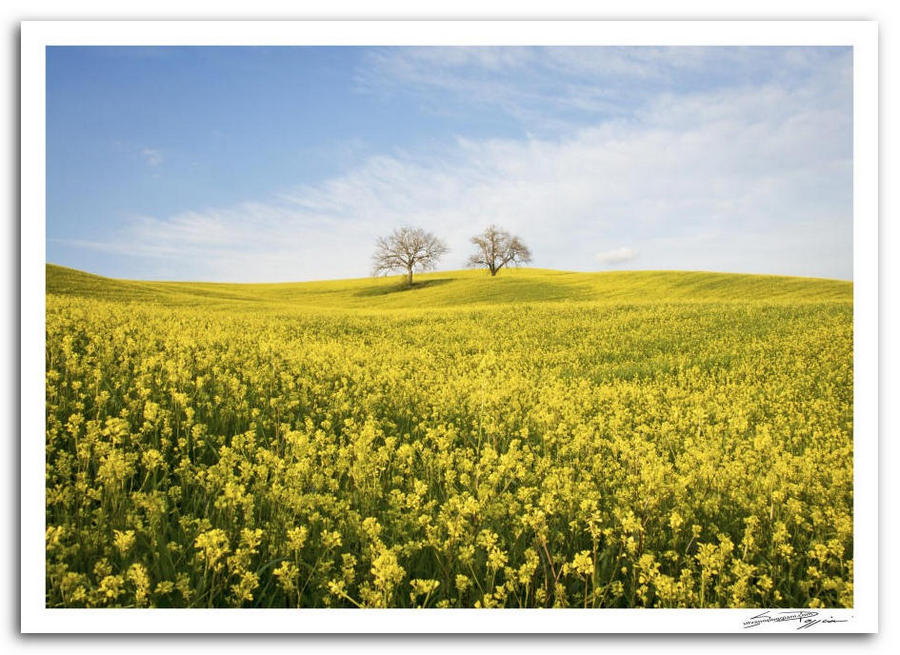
<point x="463" y="288"/>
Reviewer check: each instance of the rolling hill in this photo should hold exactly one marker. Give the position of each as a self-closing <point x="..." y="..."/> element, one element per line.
<point x="445" y="289"/>
<point x="352" y="443"/>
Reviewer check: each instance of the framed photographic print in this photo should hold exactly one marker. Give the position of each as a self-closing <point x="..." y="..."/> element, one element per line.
<point x="449" y="327"/>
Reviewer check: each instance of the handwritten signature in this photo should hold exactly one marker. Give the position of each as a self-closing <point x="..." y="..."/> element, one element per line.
<point x="805" y="619"/>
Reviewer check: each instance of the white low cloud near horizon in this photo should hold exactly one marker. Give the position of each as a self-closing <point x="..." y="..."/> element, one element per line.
<point x="617" y="256"/>
<point x="751" y="178"/>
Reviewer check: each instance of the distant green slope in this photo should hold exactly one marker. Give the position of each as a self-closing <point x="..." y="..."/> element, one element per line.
<point x="463" y="288"/>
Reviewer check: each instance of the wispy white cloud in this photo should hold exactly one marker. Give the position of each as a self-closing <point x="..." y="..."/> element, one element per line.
<point x="752" y="178"/>
<point x="552" y="88"/>
<point x="152" y="157"/>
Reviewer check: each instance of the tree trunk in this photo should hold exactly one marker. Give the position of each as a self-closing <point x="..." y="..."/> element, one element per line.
<point x="409" y="276"/>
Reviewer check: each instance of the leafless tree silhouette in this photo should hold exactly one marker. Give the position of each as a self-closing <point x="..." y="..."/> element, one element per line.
<point x="496" y="248"/>
<point x="407" y="249"/>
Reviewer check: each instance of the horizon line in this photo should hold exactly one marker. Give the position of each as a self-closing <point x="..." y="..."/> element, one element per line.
<point x="454" y="270"/>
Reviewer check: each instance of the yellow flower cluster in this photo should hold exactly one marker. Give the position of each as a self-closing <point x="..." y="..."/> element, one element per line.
<point x="548" y="454"/>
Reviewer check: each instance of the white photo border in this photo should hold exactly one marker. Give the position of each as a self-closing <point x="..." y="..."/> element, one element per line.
<point x="862" y="36"/>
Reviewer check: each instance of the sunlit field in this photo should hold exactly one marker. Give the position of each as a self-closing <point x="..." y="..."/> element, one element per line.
<point x="538" y="439"/>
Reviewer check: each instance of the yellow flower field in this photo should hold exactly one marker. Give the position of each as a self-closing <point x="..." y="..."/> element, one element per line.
<point x="535" y="440"/>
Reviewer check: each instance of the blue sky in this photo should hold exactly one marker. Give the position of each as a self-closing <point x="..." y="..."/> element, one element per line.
<point x="270" y="164"/>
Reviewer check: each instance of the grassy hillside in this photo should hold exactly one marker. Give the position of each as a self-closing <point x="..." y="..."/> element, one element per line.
<point x="455" y="288"/>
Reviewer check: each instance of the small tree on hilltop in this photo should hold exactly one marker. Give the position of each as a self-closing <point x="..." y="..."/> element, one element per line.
<point x="495" y="248"/>
<point x="407" y="249"/>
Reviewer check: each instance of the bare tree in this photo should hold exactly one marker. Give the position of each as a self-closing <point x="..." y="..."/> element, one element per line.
<point x="407" y="249"/>
<point x="496" y="248"/>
